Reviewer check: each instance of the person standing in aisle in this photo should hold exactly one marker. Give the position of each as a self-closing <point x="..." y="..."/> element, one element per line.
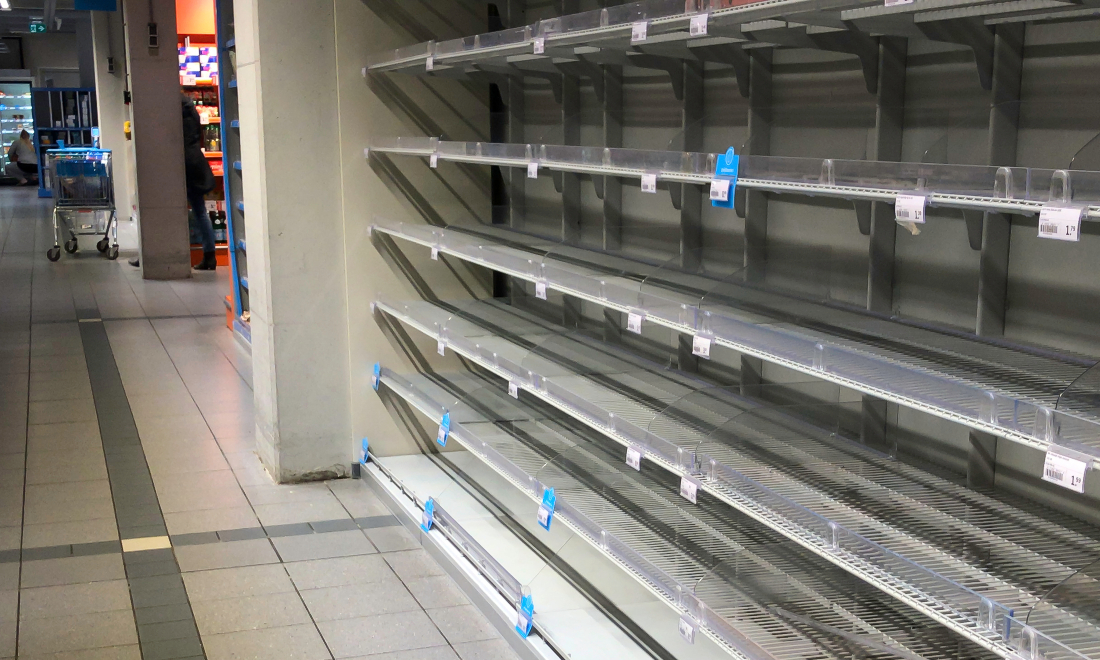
<point x="200" y="180"/>
<point x="21" y="159"/>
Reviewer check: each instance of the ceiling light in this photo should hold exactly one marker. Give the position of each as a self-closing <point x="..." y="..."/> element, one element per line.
<point x="5" y="5"/>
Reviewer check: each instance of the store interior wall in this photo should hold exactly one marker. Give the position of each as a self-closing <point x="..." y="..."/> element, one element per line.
<point x="53" y="56"/>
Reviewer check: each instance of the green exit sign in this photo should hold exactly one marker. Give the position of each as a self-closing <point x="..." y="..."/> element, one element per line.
<point x="38" y="26"/>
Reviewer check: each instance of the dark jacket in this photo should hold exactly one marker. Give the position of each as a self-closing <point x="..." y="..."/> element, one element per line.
<point x="199" y="175"/>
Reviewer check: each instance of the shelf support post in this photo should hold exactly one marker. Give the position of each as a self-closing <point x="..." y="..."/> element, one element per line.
<point x="613" y="185"/>
<point x="571" y="183"/>
<point x="691" y="196"/>
<point x="759" y="144"/>
<point x="889" y="115"/>
<point x="1004" y="120"/>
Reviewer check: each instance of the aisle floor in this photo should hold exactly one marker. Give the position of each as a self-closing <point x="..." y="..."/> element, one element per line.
<point x="135" y="518"/>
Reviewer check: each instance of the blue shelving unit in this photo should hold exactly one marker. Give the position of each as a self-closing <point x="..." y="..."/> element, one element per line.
<point x="231" y="153"/>
<point x="62" y="116"/>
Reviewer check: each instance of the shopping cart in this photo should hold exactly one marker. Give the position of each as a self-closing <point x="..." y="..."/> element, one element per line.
<point x="84" y="199"/>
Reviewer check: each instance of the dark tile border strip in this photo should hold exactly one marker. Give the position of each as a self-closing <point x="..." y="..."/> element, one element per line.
<point x="157" y="592"/>
<point x="203" y="538"/>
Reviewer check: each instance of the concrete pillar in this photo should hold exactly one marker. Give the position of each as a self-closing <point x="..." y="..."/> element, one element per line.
<point x="109" y="46"/>
<point x="286" y="71"/>
<point x="163" y="236"/>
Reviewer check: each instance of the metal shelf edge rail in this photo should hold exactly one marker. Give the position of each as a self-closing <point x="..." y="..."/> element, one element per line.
<point x="1018" y="190"/>
<point x="980" y="619"/>
<point x="679" y="596"/>
<point x="1001" y="414"/>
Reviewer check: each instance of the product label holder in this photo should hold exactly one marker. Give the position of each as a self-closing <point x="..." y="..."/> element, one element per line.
<point x="428" y="516"/>
<point x="698" y="27"/>
<point x="634" y="457"/>
<point x="634" y="322"/>
<point x="724" y="183"/>
<point x="639" y="31"/>
<point x="1061" y="223"/>
<point x="546" y="508"/>
<point x="444" y="430"/>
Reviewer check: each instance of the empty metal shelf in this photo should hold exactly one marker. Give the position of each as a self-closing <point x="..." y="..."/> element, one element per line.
<point x="776" y="600"/>
<point x="969" y="561"/>
<point x="1038" y="397"/>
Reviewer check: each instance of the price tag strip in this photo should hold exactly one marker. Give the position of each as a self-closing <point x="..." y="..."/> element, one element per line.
<point x="634" y="457"/>
<point x="524" y="616"/>
<point x="429" y="64"/>
<point x="649" y="183"/>
<point x="634" y="322"/>
<point x="513" y="389"/>
<point x="724" y="183"/>
<point x="540" y="290"/>
<point x="687" y="628"/>
<point x="376" y="377"/>
<point x="532" y="170"/>
<point x="435" y="254"/>
<point x="546" y="509"/>
<point x="428" y="517"/>
<point x="689" y="489"/>
<point x="441" y="347"/>
<point x="1060" y="223"/>
<point x="910" y="208"/>
<point x="639" y="31"/>
<point x="363" y="453"/>
<point x="433" y="161"/>
<point x="700" y="346"/>
<point x="444" y="430"/>
<point x="540" y="45"/>
<point x="1065" y="471"/>
<point x="698" y="27"/>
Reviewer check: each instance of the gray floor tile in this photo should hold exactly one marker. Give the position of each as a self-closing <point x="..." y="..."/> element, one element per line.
<point x="391" y="539"/>
<point x="73" y="633"/>
<point x="237" y="582"/>
<point x="9" y="605"/>
<point x="251" y="613"/>
<point x="340" y="571"/>
<point x="39" y="512"/>
<point x="462" y="623"/>
<point x="172" y="649"/>
<point x="71" y="599"/>
<point x="430" y="653"/>
<point x="496" y="649"/>
<point x="83" y="531"/>
<point x="9" y="576"/>
<point x="209" y="520"/>
<point x="358" y="600"/>
<point x="128" y="652"/>
<point x="412" y="564"/>
<point x="296" y="512"/>
<point x="225" y="555"/>
<point x="383" y="633"/>
<point x="320" y="546"/>
<point x="436" y="591"/>
<point x="357" y="498"/>
<point x="8" y="634"/>
<point x="289" y="643"/>
<point x="55" y="412"/>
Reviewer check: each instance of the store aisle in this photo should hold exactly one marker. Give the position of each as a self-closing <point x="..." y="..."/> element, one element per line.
<point x="135" y="518"/>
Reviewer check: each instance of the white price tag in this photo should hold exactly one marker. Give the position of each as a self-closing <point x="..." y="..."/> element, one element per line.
<point x="433" y="161"/>
<point x="204" y="119"/>
<point x="639" y="31"/>
<point x="634" y="323"/>
<point x="374" y="382"/>
<point x="441" y="436"/>
<point x="698" y="25"/>
<point x="540" y="45"/>
<point x="720" y="190"/>
<point x="187" y="80"/>
<point x="891" y="3"/>
<point x="649" y="183"/>
<point x="540" y="290"/>
<point x="689" y="490"/>
<point x="441" y="348"/>
<point x="1065" y="471"/>
<point x="435" y="254"/>
<point x="425" y="520"/>
<point x="429" y="63"/>
<point x="634" y="458"/>
<point x="1061" y="224"/>
<point x="521" y="620"/>
<point x="544" y="515"/>
<point x="687" y="630"/>
<point x="513" y="389"/>
<point x="701" y="346"/>
<point x="532" y="170"/>
<point x="910" y="208"/>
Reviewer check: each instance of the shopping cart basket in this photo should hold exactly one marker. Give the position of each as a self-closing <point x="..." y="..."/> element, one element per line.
<point x="84" y="199"/>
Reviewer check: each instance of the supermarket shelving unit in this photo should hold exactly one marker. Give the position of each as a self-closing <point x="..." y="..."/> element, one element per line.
<point x="231" y="157"/>
<point x="15" y="113"/>
<point x="812" y="462"/>
<point x="61" y="115"/>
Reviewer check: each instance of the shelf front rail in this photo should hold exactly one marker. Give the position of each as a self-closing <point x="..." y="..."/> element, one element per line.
<point x="985" y="621"/>
<point x="995" y="412"/>
<point x="1018" y="190"/>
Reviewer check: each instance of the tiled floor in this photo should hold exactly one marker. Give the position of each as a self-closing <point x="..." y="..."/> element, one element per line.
<point x="135" y="518"/>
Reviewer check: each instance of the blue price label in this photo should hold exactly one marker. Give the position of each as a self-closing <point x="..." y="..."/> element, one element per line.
<point x="524" y="616"/>
<point x="363" y="454"/>
<point x="428" y="517"/>
<point x="376" y="376"/>
<point x="546" y="509"/>
<point x="444" y="430"/>
<point x="725" y="180"/>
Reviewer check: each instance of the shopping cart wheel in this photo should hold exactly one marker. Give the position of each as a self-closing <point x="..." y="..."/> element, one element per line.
<point x="70" y="246"/>
<point x="54" y="253"/>
<point x="102" y="245"/>
<point x="112" y="252"/>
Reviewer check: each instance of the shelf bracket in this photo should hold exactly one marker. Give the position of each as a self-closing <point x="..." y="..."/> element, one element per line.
<point x="853" y="42"/>
<point x="583" y="68"/>
<point x="970" y="32"/>
<point x="863" y="216"/>
<point x="558" y="180"/>
<point x="598" y="184"/>
<point x="676" y="192"/>
<point x="739" y="197"/>
<point x="731" y="54"/>
<point x="674" y="68"/>
<point x="975" y="222"/>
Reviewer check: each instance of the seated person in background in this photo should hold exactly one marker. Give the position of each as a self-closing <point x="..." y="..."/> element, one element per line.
<point x="23" y="160"/>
